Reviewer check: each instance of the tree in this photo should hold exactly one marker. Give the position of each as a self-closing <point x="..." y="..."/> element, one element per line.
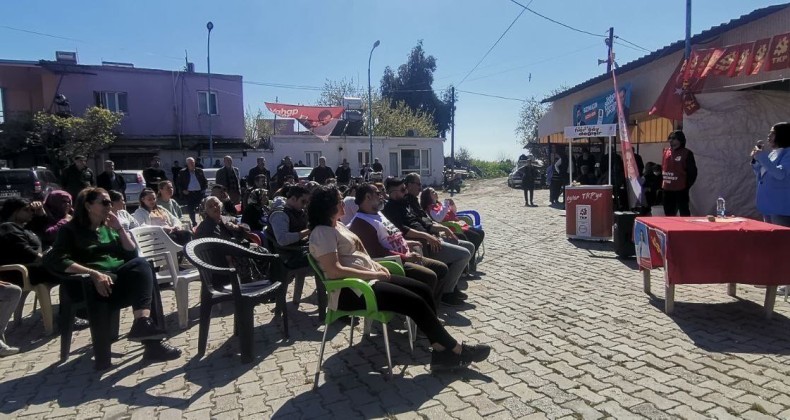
<point x="335" y="90"/>
<point x="64" y="137"/>
<point x="256" y="128"/>
<point x="463" y="157"/>
<point x="396" y="120"/>
<point x="413" y="86"/>
<point x="527" y="128"/>
<point x="391" y="119"/>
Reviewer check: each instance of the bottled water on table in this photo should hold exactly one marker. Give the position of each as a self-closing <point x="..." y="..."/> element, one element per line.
<point x="721" y="207"/>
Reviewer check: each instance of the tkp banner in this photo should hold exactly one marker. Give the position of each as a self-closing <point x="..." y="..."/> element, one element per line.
<point x="320" y="120"/>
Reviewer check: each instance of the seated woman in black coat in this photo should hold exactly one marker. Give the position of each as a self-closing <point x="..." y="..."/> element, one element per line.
<point x="95" y="243"/>
<point x="21" y="245"/>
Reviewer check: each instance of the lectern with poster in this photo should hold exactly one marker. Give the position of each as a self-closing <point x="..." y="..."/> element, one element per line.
<point x="589" y="209"/>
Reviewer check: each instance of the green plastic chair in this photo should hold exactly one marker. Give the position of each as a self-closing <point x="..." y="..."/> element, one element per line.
<point x="370" y="313"/>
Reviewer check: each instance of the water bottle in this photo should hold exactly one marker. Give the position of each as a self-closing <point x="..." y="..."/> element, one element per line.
<point x="721" y="207"/>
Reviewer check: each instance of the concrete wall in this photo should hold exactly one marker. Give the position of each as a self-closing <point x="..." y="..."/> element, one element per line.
<point x="160" y="103"/>
<point x="338" y="148"/>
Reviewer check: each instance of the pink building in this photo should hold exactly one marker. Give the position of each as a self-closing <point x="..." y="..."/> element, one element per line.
<point x="163" y="109"/>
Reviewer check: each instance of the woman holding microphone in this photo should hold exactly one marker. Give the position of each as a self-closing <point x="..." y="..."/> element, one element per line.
<point x="772" y="168"/>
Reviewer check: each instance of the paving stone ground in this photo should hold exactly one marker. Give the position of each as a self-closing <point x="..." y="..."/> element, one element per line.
<point x="573" y="336"/>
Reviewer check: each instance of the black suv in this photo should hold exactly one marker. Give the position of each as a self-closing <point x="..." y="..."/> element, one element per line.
<point x="32" y="183"/>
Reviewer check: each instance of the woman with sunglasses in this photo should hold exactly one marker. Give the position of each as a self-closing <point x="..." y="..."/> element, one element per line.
<point x="95" y="243"/>
<point x="340" y="254"/>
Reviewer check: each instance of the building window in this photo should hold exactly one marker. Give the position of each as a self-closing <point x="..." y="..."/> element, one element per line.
<point x="2" y="108"/>
<point x="311" y="159"/>
<point x="203" y="100"/>
<point x="363" y="157"/>
<point x="113" y="101"/>
<point x="415" y="160"/>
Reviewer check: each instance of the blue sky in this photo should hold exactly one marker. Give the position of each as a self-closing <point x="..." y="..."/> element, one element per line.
<point x="303" y="43"/>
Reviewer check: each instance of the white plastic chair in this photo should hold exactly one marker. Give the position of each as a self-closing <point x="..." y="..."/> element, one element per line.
<point x="156" y="246"/>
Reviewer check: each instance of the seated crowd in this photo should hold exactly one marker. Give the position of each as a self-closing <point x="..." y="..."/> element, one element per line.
<point x="395" y="220"/>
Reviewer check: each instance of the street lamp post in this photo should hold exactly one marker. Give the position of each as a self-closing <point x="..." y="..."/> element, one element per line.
<point x="370" y="105"/>
<point x="209" y="26"/>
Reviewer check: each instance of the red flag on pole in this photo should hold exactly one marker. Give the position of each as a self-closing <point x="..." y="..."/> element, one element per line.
<point x="633" y="185"/>
<point x="670" y="102"/>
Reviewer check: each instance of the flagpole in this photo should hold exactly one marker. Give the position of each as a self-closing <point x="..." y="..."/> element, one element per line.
<point x="688" y="29"/>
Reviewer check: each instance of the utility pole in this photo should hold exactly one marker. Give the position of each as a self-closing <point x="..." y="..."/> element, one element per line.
<point x="452" y="136"/>
<point x="609" y="58"/>
<point x="274" y="123"/>
<point x="688" y="29"/>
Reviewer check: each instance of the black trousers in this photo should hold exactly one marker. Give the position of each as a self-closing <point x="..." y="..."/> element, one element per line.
<point x="555" y="190"/>
<point x="133" y="285"/>
<point x="193" y="201"/>
<point x="475" y="236"/>
<point x="529" y="194"/>
<point x="407" y="297"/>
<point x="423" y="275"/>
<point x="676" y="202"/>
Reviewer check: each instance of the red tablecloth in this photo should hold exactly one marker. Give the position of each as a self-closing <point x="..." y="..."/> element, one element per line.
<point x="725" y="251"/>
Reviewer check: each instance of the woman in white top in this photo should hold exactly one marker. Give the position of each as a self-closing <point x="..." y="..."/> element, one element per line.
<point x="340" y="254"/>
<point x="119" y="208"/>
<point x="150" y="214"/>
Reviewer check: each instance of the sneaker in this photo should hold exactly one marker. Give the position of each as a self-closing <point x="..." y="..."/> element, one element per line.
<point x="143" y="328"/>
<point x="474" y="353"/>
<point x="445" y="360"/>
<point x="6" y="350"/>
<point x="449" y="299"/>
<point x="460" y="295"/>
<point x="80" y="324"/>
<point x="781" y="290"/>
<point x="160" y="351"/>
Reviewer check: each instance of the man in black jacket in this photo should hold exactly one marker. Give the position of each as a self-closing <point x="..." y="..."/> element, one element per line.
<point x="457" y="257"/>
<point x="259" y="169"/>
<point x="343" y="173"/>
<point x="109" y="180"/>
<point x="192" y="184"/>
<point x="321" y="172"/>
<point x="228" y="177"/>
<point x="77" y="176"/>
<point x="154" y="174"/>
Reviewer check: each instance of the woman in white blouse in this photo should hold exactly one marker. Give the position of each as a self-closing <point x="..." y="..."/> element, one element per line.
<point x="150" y="214"/>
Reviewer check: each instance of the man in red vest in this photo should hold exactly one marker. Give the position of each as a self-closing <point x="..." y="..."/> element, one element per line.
<point x="679" y="171"/>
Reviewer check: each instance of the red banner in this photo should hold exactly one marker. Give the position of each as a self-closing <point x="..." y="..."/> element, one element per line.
<point x="634" y="187"/>
<point x="320" y="120"/>
<point x="757" y="59"/>
<point x="779" y="53"/>
<point x="744" y="52"/>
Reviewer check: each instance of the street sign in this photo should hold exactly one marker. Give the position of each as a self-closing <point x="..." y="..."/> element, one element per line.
<point x="579" y="131"/>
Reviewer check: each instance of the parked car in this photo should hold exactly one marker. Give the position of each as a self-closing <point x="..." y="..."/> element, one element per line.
<point x="211" y="177"/>
<point x="303" y="172"/>
<point x="134" y="185"/>
<point x="514" y="178"/>
<point x="31" y="183"/>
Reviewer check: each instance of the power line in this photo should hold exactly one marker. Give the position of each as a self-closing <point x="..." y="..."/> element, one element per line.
<point x="493" y="46"/>
<point x="491" y="96"/>
<point x="537" y="62"/>
<point x="556" y="21"/>
<point x="631" y="43"/>
<point x="65" y="38"/>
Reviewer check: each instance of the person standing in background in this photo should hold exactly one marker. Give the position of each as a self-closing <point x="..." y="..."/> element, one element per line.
<point x="175" y="169"/>
<point x="109" y="180"/>
<point x="77" y="176"/>
<point x="343" y="173"/>
<point x="259" y="169"/>
<point x="228" y="177"/>
<point x="679" y="172"/>
<point x="192" y="184"/>
<point x="154" y="174"/>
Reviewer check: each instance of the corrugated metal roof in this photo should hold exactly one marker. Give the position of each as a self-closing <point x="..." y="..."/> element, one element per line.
<point x="674" y="47"/>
